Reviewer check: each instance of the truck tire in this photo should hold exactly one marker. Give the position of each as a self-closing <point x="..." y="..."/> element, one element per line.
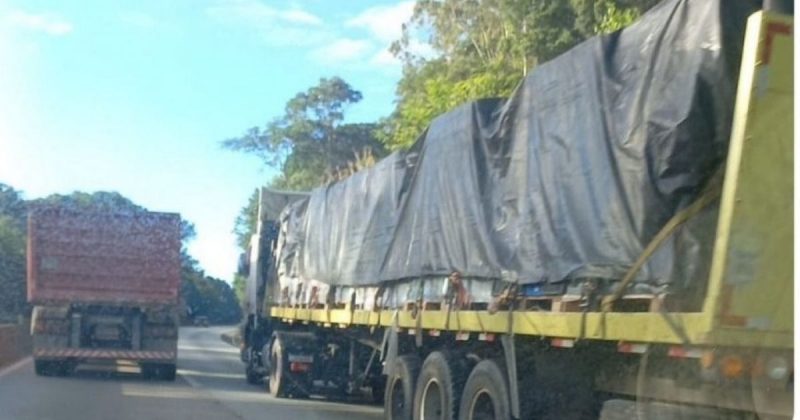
<point x="277" y="385"/>
<point x="252" y="375"/>
<point x="486" y="394"/>
<point x="557" y="387"/>
<point x="162" y="371"/>
<point x="148" y="370"/>
<point x="50" y="368"/>
<point x="439" y="386"/>
<point x="378" y="389"/>
<point x="398" y="400"/>
<point x="283" y="383"/>
<point x="166" y="371"/>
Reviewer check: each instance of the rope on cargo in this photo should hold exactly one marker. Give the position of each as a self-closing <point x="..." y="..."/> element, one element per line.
<point x="457" y="297"/>
<point x="418" y="311"/>
<point x="511" y="306"/>
<point x="710" y="193"/>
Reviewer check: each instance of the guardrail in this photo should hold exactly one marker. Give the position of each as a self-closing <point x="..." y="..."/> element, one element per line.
<point x="15" y="342"/>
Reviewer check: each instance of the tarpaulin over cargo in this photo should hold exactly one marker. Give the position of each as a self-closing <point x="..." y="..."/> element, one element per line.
<point x="271" y="204"/>
<point x="569" y="178"/>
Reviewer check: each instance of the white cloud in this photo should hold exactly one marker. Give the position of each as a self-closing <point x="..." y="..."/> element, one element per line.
<point x="341" y="50"/>
<point x="299" y="16"/>
<point x="359" y="42"/>
<point x="47" y="23"/>
<point x="277" y="27"/>
<point x="384" y="58"/>
<point x="385" y="23"/>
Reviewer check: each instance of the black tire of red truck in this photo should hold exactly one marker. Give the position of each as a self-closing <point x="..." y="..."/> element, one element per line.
<point x="52" y="367"/>
<point x="161" y="371"/>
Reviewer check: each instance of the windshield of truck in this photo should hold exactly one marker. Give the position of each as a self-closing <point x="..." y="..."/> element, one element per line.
<point x="400" y="209"/>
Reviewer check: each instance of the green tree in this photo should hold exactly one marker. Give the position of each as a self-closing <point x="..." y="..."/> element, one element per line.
<point x="207" y="296"/>
<point x="239" y="287"/>
<point x="12" y="253"/>
<point x="245" y="224"/>
<point x="311" y="139"/>
<point x="483" y="48"/>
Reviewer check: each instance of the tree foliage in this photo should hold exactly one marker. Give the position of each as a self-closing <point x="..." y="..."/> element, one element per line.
<point x="245" y="224"/>
<point x="12" y="253"/>
<point x="204" y="295"/>
<point x="310" y="139"/>
<point x="239" y="287"/>
<point x="483" y="48"/>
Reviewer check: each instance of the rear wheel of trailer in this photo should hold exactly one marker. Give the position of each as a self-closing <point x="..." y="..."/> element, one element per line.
<point x="162" y="371"/>
<point x="53" y="367"/>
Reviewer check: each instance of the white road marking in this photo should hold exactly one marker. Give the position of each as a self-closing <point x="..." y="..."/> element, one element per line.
<point x="14" y="367"/>
<point x="186" y="372"/>
<point x="190" y="380"/>
<point x="225" y="349"/>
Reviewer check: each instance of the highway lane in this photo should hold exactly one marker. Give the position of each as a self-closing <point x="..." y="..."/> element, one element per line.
<point x="210" y="385"/>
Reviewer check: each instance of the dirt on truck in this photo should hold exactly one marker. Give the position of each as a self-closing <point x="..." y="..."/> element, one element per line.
<point x="104" y="286"/>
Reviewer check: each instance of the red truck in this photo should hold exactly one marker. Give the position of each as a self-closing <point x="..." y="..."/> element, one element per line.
<point x="104" y="286"/>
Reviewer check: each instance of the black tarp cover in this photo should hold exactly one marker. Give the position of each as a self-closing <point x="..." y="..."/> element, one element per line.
<point x="568" y="178"/>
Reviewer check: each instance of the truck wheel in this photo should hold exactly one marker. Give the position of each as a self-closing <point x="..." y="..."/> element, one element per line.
<point x="148" y="371"/>
<point x="557" y="387"/>
<point x="166" y="371"/>
<point x="253" y="376"/>
<point x="398" y="400"/>
<point x="439" y="386"/>
<point x="48" y="368"/>
<point x="485" y="394"/>
<point x="283" y="383"/>
<point x="162" y="371"/>
<point x="277" y="385"/>
<point x="378" y="389"/>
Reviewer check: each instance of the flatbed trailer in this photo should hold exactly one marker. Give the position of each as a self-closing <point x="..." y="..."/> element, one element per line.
<point x="551" y="357"/>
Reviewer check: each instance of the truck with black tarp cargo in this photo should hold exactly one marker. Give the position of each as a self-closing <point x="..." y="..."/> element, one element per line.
<point x="614" y="239"/>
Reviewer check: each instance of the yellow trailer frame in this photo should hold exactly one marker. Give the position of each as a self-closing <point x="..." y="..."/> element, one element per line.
<point x="749" y="302"/>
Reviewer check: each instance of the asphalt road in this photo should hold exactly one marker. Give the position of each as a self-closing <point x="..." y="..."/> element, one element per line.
<point x="210" y="385"/>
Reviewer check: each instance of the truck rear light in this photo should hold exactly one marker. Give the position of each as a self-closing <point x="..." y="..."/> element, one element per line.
<point x="299" y="367"/>
<point x="638" y="348"/>
<point x="564" y="343"/>
<point x="731" y="366"/>
<point x="686" y="352"/>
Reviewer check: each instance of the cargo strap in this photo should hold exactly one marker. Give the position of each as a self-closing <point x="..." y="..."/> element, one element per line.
<point x="711" y="192"/>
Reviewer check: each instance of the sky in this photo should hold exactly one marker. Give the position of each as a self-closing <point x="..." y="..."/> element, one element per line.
<point x="135" y="97"/>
